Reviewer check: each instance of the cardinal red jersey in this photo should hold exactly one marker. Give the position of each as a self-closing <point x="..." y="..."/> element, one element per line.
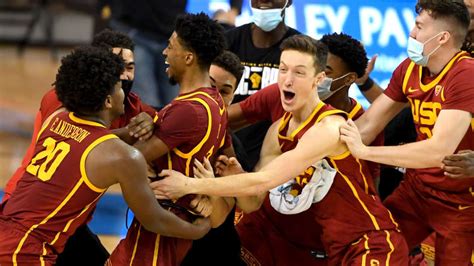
<point x="349" y="211"/>
<point x="351" y="208"/>
<point x="452" y="89"/>
<point x="49" y="105"/>
<point x="54" y="196"/>
<point x="193" y="126"/>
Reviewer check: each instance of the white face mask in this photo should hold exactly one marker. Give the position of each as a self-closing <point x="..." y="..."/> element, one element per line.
<point x="415" y="50"/>
<point x="324" y="88"/>
<point x="267" y="19"/>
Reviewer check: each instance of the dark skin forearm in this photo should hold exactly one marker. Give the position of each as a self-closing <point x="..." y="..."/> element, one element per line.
<point x="124" y="135"/>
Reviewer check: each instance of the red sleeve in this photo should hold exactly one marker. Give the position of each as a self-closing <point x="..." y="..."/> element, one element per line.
<point x="180" y="123"/>
<point x="395" y="87"/>
<point x="49" y="104"/>
<point x="460" y="93"/>
<point x="263" y="105"/>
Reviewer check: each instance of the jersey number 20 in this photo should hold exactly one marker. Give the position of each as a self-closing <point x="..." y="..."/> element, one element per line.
<point x="54" y="154"/>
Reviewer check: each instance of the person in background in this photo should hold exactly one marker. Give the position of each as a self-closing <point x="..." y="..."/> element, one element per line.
<point x="150" y="24"/>
<point x="257" y="44"/>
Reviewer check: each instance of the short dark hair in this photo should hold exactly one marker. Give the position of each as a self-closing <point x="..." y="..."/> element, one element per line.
<point x="202" y="36"/>
<point x="350" y="50"/>
<point x="230" y="63"/>
<point x="451" y="10"/>
<point x="109" y="39"/>
<point x="306" y="44"/>
<point x="85" y="78"/>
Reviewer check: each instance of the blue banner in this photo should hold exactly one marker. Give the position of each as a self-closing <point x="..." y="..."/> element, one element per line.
<point x="382" y="26"/>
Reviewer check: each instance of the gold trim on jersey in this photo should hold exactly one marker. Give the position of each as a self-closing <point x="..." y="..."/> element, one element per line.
<point x="366" y="246"/>
<point x="155" y="118"/>
<point x="441" y="75"/>
<point x="45" y="220"/>
<point x="205" y="94"/>
<point x="47" y="122"/>
<point x="68" y="224"/>
<point x="330" y="112"/>
<point x="356" y="195"/>
<point x="354" y="110"/>
<point x="366" y="184"/>
<point x="392" y="248"/>
<point x="407" y="76"/>
<point x="157" y="248"/>
<point x="83" y="121"/>
<point x="136" y="243"/>
<point x="341" y="156"/>
<point x="188" y="156"/>
<point x="393" y="220"/>
<point x="82" y="164"/>
<point x="292" y="135"/>
<point x="43" y="254"/>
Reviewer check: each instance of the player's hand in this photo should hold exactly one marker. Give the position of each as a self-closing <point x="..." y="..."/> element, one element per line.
<point x="203" y="225"/>
<point x="174" y="185"/>
<point x="351" y="136"/>
<point x="141" y="126"/>
<point x="368" y="70"/>
<point x="203" y="171"/>
<point x="460" y="165"/>
<point x="202" y="205"/>
<point x="228" y="166"/>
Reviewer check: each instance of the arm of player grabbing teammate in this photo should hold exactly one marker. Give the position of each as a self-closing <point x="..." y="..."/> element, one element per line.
<point x="125" y="165"/>
<point x="321" y="140"/>
<point x="448" y="131"/>
<point x="140" y="127"/>
<point x="460" y="165"/>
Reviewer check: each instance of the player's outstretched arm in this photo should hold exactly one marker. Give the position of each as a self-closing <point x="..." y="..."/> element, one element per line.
<point x="448" y="131"/>
<point x="125" y="165"/>
<point x="320" y="141"/>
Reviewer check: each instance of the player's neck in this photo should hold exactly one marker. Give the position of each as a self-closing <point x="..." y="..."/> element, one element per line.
<point x="193" y="80"/>
<point x="99" y="118"/>
<point x="341" y="102"/>
<point x="300" y="115"/>
<point x="442" y="58"/>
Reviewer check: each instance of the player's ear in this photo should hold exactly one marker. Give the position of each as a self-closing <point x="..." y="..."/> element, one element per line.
<point x="318" y="78"/>
<point x="351" y="78"/>
<point x="189" y="58"/>
<point x="108" y="102"/>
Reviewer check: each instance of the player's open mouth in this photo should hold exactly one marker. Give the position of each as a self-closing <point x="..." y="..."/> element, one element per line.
<point x="288" y="95"/>
<point x="167" y="66"/>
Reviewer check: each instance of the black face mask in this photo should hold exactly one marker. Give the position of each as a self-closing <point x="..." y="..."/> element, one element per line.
<point x="127" y="86"/>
